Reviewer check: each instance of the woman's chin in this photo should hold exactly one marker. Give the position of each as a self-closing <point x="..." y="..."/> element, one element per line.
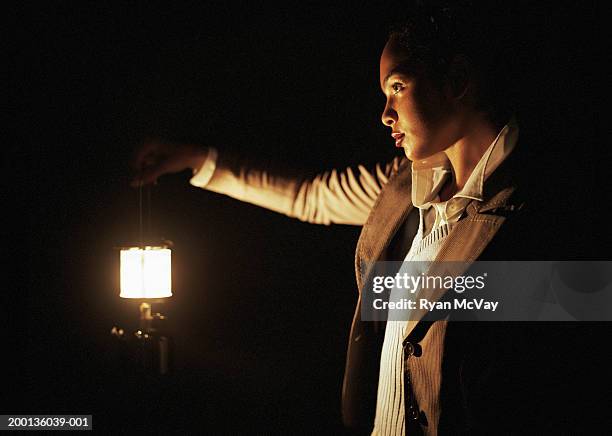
<point x="408" y="151"/>
<point x="414" y="154"/>
<point x="417" y="154"/>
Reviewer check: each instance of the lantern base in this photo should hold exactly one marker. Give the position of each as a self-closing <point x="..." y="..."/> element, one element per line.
<point x="149" y="350"/>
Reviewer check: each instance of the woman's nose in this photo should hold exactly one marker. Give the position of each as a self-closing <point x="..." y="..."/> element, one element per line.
<point x="389" y="116"/>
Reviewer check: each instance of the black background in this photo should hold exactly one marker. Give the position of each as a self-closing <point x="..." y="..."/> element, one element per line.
<point x="262" y="303"/>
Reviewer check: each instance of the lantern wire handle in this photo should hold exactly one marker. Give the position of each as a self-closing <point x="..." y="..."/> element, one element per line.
<point x="149" y="211"/>
<point x="140" y="216"/>
<point x="141" y="226"/>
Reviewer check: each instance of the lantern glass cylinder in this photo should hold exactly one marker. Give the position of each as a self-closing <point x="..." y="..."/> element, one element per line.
<point x="145" y="272"/>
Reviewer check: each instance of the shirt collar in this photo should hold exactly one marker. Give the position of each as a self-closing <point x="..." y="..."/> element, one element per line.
<point x="429" y="175"/>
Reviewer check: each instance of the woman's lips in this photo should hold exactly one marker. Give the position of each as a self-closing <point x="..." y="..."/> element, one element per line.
<point x="399" y="137"/>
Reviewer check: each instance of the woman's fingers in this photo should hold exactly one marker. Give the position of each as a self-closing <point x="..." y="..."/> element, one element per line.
<point x="150" y="174"/>
<point x="147" y="154"/>
<point x="154" y="159"/>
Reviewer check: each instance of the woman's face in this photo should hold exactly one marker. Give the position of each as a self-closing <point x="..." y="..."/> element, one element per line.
<point x="422" y="115"/>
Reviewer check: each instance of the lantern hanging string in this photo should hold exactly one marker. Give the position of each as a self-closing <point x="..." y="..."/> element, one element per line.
<point x="141" y="226"/>
<point x="149" y="234"/>
<point x="141" y="242"/>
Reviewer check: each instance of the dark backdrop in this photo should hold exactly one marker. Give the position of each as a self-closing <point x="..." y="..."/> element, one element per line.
<point x="262" y="303"/>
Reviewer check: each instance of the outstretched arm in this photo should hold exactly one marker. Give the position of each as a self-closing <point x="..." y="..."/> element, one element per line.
<point x="340" y="197"/>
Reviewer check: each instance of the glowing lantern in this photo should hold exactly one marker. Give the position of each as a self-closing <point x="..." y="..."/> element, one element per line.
<point x="145" y="272"/>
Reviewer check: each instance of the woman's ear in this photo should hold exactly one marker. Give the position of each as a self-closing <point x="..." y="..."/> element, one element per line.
<point x="459" y="77"/>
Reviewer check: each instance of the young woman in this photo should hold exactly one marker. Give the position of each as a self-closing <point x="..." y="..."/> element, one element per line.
<point x="461" y="193"/>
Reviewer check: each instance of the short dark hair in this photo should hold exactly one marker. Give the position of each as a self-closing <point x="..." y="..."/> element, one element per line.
<point x="435" y="33"/>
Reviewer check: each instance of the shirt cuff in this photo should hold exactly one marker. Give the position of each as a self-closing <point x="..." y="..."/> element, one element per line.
<point x="202" y="175"/>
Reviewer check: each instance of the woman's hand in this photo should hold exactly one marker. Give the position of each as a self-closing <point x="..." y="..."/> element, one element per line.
<point x="156" y="158"/>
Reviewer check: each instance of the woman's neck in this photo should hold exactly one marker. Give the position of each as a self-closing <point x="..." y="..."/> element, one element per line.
<point x="464" y="154"/>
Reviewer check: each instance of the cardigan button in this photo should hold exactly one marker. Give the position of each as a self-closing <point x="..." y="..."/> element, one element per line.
<point x="408" y="348"/>
<point x="413" y="413"/>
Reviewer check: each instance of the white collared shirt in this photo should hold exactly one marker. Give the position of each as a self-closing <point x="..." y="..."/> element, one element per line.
<point x="429" y="175"/>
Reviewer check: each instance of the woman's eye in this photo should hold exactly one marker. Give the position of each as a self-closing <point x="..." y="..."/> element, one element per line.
<point x="397" y="87"/>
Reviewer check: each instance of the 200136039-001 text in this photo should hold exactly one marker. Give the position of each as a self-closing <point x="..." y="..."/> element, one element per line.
<point x="46" y="422"/>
